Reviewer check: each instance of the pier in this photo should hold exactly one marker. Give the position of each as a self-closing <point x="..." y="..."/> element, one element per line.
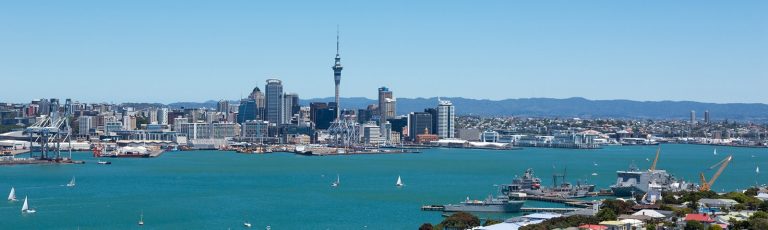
<point x="567" y="202"/>
<point x="441" y="208"/>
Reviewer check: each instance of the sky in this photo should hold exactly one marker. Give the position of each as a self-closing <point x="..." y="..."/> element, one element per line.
<point x="193" y="51"/>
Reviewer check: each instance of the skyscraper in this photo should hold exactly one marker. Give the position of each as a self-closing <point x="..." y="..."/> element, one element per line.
<point x="445" y="119"/>
<point x="337" y="74"/>
<point x="258" y="97"/>
<point x="222" y="106"/>
<point x="419" y="123"/>
<point x="386" y="105"/>
<point x="247" y="110"/>
<point x="290" y="104"/>
<point x="706" y="116"/>
<point x="693" y="117"/>
<point x="274" y="101"/>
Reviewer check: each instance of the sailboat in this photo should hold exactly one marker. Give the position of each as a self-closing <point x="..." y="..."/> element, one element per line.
<point x="399" y="182"/>
<point x="337" y="182"/>
<point x="247" y="224"/>
<point x="141" y="219"/>
<point x="715" y="152"/>
<point x="71" y="182"/>
<point x="12" y="195"/>
<point x="25" y="208"/>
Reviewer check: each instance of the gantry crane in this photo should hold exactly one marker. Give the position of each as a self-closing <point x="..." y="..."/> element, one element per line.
<point x="707" y="185"/>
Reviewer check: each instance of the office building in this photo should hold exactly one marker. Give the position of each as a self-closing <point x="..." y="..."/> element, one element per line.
<point x="446" y="119"/>
<point x="84" y="125"/>
<point x="387" y="105"/>
<point x="222" y="106"/>
<point x="247" y="111"/>
<point x="706" y="117"/>
<point x="419" y="123"/>
<point x="274" y="101"/>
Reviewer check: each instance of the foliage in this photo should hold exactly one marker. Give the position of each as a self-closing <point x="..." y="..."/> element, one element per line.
<point x="751" y="191"/>
<point x="763" y="206"/>
<point x="758" y="223"/>
<point x="491" y="222"/>
<point x="759" y="215"/>
<point x="460" y="220"/>
<point x="426" y="226"/>
<point x="618" y="206"/>
<point x="562" y="222"/>
<point x="694" y="225"/>
<point x="650" y="227"/>
<point x="606" y="214"/>
<point x="715" y="227"/>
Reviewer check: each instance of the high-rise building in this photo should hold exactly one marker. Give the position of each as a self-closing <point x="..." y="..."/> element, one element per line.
<point x="84" y="125"/>
<point x="419" y="123"/>
<point x="706" y="117"/>
<point x="337" y="75"/>
<point x="321" y="114"/>
<point x="162" y="116"/>
<point x="433" y="112"/>
<point x="222" y="106"/>
<point x="274" y="101"/>
<point x="386" y="105"/>
<point x="446" y="119"/>
<point x="693" y="117"/>
<point x="247" y="110"/>
<point x="290" y="104"/>
<point x="260" y="100"/>
<point x="152" y="116"/>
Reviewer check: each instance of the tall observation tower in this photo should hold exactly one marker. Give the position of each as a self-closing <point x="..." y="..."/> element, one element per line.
<point x="337" y="75"/>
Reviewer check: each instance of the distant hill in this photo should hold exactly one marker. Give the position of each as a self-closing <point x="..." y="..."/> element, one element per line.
<point x="569" y="107"/>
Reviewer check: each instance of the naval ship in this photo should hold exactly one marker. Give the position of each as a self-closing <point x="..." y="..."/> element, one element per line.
<point x="490" y="204"/>
<point x="638" y="182"/>
<point x="531" y="185"/>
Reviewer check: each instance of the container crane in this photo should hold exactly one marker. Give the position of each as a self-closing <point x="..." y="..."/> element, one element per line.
<point x="706" y="186"/>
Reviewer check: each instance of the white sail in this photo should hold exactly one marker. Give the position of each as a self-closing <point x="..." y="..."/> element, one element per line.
<point x="25" y="207"/>
<point x="715" y="152"/>
<point x="399" y="181"/>
<point x="336" y="183"/>
<point x="12" y="195"/>
<point x="71" y="183"/>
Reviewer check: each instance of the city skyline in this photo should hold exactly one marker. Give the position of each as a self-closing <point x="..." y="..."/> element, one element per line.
<point x="196" y="52"/>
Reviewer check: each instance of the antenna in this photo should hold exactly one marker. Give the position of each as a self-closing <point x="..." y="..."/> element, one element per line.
<point x="337" y="39"/>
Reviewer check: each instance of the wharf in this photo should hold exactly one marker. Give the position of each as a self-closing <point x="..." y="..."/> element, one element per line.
<point x="32" y="161"/>
<point x="441" y="208"/>
<point x="156" y="153"/>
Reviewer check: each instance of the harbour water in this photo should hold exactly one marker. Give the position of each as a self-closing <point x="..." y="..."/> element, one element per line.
<point x="220" y="190"/>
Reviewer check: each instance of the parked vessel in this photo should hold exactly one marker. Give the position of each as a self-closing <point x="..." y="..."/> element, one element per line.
<point x="490" y="204"/>
<point x="638" y="182"/>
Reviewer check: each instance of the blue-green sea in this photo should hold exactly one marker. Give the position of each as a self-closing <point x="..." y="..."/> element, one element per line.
<point x="221" y="190"/>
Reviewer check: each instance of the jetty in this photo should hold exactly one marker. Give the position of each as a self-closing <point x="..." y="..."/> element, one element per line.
<point x="441" y="208"/>
<point x="566" y="201"/>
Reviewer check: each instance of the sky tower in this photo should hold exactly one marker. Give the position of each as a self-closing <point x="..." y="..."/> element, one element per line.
<point x="337" y="75"/>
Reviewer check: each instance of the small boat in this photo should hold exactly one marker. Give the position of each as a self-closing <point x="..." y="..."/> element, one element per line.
<point x="337" y="182"/>
<point x="594" y="174"/>
<point x="715" y="152"/>
<point x="247" y="224"/>
<point x="141" y="219"/>
<point x="71" y="183"/>
<point x="25" y="208"/>
<point x="104" y="162"/>
<point x="12" y="195"/>
<point x="399" y="182"/>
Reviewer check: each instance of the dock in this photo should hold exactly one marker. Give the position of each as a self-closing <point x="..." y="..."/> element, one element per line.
<point x="156" y="153"/>
<point x="441" y="208"/>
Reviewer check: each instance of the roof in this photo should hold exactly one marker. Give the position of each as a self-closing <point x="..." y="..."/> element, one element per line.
<point x="543" y="215"/>
<point x="717" y="202"/>
<point x="699" y="218"/>
<point x="593" y="227"/>
<point x="650" y="213"/>
<point x="612" y="223"/>
<point x="633" y="217"/>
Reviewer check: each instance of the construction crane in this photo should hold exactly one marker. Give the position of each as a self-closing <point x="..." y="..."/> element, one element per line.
<point x="706" y="186"/>
<point x="655" y="160"/>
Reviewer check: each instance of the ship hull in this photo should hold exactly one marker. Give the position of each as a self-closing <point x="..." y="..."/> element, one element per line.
<point x="509" y="207"/>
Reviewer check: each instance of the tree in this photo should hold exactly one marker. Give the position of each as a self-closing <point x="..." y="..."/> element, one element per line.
<point x="618" y="206"/>
<point x="759" y="215"/>
<point x="650" y="227"/>
<point x="606" y="214"/>
<point x="751" y="191"/>
<point x="426" y="226"/>
<point x="694" y="225"/>
<point x="460" y="220"/>
<point x="715" y="227"/>
<point x="491" y="222"/>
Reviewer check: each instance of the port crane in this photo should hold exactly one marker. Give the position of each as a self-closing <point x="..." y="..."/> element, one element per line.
<point x="707" y="185"/>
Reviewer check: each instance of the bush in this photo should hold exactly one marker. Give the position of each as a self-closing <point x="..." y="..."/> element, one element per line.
<point x="693" y="225"/>
<point x="606" y="214"/>
<point x="461" y="220"/>
<point x="426" y="226"/>
<point x="562" y="222"/>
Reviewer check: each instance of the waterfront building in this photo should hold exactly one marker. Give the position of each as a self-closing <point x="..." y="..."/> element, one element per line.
<point x="446" y="119"/>
<point x="399" y="124"/>
<point x="489" y="136"/>
<point x="129" y="122"/>
<point x="112" y="126"/>
<point x="426" y="137"/>
<point x="274" y="101"/>
<point x="419" y="123"/>
<point x="177" y="123"/>
<point x="433" y="112"/>
<point x="84" y="125"/>
<point x="371" y="135"/>
<point x="254" y="131"/>
<point x="199" y="130"/>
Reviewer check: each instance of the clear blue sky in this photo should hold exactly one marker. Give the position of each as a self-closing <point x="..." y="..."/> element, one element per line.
<point x="168" y="51"/>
